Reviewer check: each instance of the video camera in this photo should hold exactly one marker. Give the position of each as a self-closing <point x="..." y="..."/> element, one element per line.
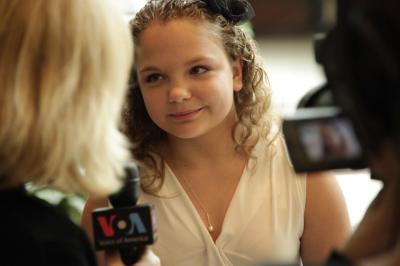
<point x="322" y="138"/>
<point x="320" y="135"/>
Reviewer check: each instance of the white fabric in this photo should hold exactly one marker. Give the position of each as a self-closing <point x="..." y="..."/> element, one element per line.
<point x="264" y="221"/>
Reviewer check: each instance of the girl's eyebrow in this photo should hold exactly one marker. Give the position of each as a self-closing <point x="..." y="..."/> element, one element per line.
<point x="200" y="59"/>
<point x="148" y="69"/>
<point x="188" y="63"/>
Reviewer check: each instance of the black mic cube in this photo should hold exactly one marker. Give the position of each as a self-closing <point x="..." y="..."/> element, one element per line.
<point x="124" y="227"/>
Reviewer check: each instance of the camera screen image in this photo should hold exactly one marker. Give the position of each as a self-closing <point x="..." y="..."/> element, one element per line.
<point x="322" y="139"/>
<point x="329" y="140"/>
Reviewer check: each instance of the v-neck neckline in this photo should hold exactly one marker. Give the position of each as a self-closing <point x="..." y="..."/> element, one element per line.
<point x="233" y="204"/>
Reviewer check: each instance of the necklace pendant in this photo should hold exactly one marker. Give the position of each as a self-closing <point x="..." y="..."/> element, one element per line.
<point x="210" y="228"/>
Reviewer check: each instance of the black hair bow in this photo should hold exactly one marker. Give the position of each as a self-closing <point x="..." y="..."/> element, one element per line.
<point x="235" y="11"/>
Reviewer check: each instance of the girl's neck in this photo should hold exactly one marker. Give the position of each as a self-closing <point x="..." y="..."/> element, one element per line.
<point x="199" y="151"/>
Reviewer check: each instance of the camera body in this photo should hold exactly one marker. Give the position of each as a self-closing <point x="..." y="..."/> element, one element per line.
<point x="322" y="138"/>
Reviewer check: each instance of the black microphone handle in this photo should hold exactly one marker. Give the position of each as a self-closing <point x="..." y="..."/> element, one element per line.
<point x="128" y="196"/>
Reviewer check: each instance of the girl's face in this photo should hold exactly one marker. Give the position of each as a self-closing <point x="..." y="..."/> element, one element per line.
<point x="186" y="78"/>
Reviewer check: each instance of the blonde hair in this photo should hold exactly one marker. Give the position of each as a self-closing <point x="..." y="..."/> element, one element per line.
<point x="64" y="67"/>
<point x="252" y="102"/>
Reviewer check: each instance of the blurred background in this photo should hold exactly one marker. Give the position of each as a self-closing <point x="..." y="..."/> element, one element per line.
<point x="285" y="30"/>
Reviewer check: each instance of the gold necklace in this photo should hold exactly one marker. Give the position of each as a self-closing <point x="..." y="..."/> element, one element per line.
<point x="210" y="227"/>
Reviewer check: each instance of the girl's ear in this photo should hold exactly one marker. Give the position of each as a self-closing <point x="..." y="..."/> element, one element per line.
<point x="237" y="67"/>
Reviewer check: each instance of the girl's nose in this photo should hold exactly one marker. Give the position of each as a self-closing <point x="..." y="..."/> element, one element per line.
<point x="179" y="93"/>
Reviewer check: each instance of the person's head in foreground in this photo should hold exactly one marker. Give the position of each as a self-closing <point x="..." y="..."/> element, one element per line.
<point x="64" y="67"/>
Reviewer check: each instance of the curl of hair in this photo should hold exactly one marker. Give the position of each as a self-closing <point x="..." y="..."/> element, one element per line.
<point x="64" y="67"/>
<point x="252" y="102"/>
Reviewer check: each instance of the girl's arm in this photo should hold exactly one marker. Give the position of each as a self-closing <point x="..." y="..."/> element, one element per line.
<point x="326" y="221"/>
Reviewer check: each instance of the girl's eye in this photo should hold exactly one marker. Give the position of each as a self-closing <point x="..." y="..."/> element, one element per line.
<point x="198" y="70"/>
<point x="153" y="78"/>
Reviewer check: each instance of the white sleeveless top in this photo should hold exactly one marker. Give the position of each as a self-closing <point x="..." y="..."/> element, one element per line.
<point x="264" y="221"/>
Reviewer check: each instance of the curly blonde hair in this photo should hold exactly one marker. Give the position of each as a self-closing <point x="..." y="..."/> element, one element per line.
<point x="252" y="102"/>
<point x="64" y="68"/>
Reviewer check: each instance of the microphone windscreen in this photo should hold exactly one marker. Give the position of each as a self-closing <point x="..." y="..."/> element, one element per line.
<point x="129" y="193"/>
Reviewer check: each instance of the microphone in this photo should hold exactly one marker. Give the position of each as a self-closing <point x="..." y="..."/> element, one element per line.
<point x="127" y="227"/>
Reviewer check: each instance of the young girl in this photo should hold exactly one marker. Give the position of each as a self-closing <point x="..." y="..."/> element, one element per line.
<point x="211" y="161"/>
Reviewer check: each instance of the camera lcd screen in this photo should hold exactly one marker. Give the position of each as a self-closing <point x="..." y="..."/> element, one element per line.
<point x="322" y="139"/>
<point x="332" y="139"/>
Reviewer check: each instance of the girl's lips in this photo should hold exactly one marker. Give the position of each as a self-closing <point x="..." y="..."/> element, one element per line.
<point x="185" y="115"/>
